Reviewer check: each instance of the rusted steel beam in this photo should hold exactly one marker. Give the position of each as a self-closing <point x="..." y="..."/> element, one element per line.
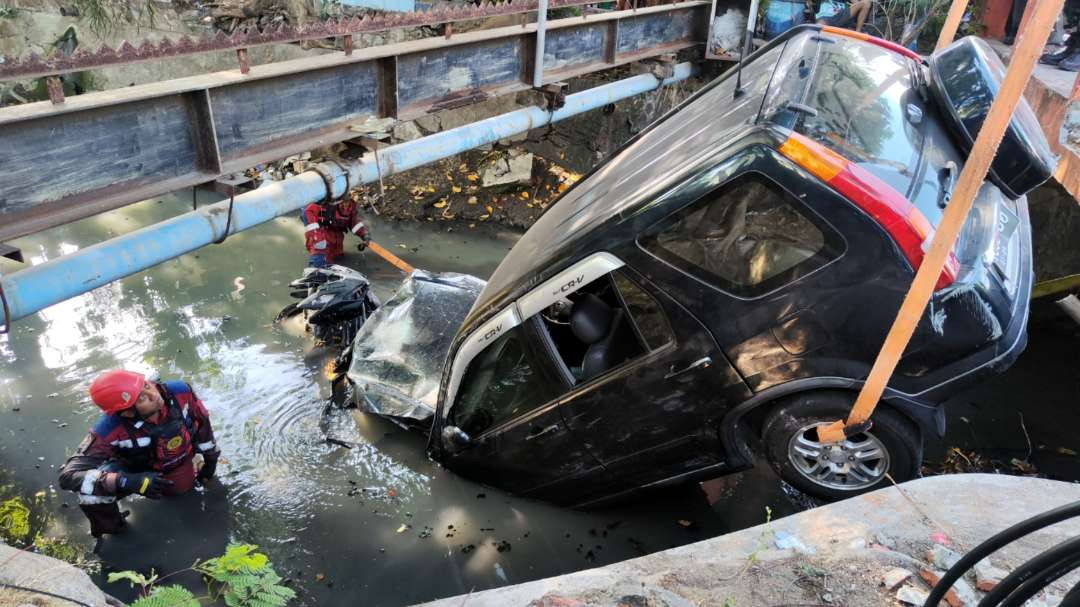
<point x="36" y="66"/>
<point x="101" y="151"/>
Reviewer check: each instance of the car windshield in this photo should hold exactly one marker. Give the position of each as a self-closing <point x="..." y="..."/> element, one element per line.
<point x="858" y="102"/>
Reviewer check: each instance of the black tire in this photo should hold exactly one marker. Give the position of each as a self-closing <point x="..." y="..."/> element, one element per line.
<point x="891" y="432"/>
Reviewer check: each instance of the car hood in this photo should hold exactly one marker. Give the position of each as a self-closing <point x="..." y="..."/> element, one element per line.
<point x="398" y="354"/>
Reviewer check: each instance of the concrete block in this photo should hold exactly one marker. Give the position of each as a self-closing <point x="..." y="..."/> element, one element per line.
<point x="507" y="170"/>
<point x="406" y="131"/>
<point x="941" y="557"/>
<point x="894" y="577"/>
<point x="910" y="595"/>
<point x="431" y="123"/>
<point x="987" y="576"/>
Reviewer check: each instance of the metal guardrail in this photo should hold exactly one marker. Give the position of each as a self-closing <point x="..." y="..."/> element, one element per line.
<point x="36" y="66"/>
<point x="36" y="287"/>
<point x="100" y="151"/>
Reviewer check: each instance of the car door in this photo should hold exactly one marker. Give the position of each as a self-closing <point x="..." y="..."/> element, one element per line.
<point x="507" y="405"/>
<point x="655" y="417"/>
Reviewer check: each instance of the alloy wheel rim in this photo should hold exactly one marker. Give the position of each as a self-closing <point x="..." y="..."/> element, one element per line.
<point x="860" y="461"/>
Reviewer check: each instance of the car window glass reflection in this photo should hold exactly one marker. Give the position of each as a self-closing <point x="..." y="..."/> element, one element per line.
<point x="500" y="384"/>
<point x="744" y="238"/>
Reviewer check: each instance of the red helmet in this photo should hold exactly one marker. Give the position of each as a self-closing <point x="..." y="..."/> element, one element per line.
<point x="116" y="390"/>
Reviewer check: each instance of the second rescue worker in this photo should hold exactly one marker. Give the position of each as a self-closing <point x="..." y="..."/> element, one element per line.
<point x="324" y="230"/>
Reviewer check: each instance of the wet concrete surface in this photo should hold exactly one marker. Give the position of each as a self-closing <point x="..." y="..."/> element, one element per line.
<point x="378" y="523"/>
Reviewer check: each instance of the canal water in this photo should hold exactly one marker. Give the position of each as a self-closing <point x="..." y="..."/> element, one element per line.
<point x="374" y="524"/>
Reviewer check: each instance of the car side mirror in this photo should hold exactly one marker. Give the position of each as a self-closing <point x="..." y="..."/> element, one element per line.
<point x="455" y="438"/>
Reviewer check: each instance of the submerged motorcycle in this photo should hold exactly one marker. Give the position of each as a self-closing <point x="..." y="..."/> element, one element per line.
<point x="336" y="301"/>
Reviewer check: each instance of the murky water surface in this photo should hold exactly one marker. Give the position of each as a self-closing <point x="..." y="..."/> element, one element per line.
<point x="377" y="524"/>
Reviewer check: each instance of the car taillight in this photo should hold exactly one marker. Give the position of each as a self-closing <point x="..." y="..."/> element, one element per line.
<point x="892" y="46"/>
<point x="901" y="219"/>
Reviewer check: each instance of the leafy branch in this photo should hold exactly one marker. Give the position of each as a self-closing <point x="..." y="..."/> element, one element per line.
<point x="242" y="576"/>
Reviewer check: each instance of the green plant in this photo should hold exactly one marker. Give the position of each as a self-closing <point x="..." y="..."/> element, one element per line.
<point x="241" y="576"/>
<point x="103" y="16"/>
<point x="244" y="577"/>
<point x="8" y="12"/>
<point x="168" y="596"/>
<point x="14" y="521"/>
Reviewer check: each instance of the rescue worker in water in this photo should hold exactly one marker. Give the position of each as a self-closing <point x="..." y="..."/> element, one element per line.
<point x="324" y="230"/>
<point x="144" y="444"/>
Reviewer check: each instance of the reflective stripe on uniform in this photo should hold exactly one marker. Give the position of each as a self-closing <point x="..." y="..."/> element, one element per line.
<point x="206" y="446"/>
<point x="89" y="480"/>
<point x="320" y="245"/>
<point x="142" y="441"/>
<point x="144" y="485"/>
<point x="87" y="500"/>
<point x="359" y="226"/>
<point x="311" y="227"/>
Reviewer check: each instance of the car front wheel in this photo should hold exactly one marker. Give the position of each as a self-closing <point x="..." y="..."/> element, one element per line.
<point x="859" y="464"/>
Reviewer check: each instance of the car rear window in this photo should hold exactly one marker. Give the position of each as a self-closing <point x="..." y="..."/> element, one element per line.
<point x="747" y="237"/>
<point x="859" y="108"/>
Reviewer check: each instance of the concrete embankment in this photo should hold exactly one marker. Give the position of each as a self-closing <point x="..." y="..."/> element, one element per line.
<point x="876" y="549"/>
<point x="48" y="581"/>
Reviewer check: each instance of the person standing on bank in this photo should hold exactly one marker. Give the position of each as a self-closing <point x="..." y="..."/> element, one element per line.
<point x="324" y="230"/>
<point x="144" y="444"/>
<point x="839" y="13"/>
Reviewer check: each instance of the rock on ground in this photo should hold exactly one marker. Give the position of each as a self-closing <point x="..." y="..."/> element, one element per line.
<point x="40" y="572"/>
<point x="508" y="169"/>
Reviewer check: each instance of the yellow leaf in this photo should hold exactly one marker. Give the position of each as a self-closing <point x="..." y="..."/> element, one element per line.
<point x="430" y="189"/>
<point x="471" y="200"/>
<point x="455" y="189"/>
<point x="484" y="216"/>
<point x="562" y="188"/>
<point x="472" y="177"/>
<point x="488" y="207"/>
<point x="440" y="204"/>
<point x="472" y="225"/>
<point x="524" y="195"/>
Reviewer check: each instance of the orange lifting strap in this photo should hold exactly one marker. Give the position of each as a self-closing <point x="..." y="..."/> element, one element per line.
<point x="1032" y="39"/>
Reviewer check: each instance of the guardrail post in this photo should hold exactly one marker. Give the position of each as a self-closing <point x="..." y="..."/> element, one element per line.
<point x="538" y="55"/>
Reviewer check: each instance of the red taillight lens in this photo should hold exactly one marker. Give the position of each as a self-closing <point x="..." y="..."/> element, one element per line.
<point x="892" y="46"/>
<point x="901" y="219"/>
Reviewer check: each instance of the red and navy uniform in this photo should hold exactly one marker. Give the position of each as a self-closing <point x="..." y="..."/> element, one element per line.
<point x="120" y="444"/>
<point x="324" y="230"/>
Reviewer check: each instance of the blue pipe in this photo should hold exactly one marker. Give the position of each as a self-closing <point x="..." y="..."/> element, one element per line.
<point x="32" y="289"/>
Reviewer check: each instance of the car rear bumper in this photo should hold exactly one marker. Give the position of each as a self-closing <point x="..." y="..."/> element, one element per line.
<point x="1001" y="353"/>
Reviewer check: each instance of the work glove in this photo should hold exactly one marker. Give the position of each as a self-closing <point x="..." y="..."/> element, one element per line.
<point x="149" y="484"/>
<point x="208" y="468"/>
<point x="365" y="238"/>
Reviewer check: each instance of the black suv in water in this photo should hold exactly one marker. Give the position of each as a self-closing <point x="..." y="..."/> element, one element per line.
<point x="731" y="274"/>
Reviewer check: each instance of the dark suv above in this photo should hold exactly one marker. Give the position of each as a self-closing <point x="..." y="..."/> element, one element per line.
<point x="727" y="278"/>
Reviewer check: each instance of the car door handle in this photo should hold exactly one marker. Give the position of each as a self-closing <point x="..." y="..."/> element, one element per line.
<point x="701" y="363"/>
<point x="537" y="431"/>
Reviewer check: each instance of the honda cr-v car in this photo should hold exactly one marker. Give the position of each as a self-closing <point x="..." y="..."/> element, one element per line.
<point x="727" y="278"/>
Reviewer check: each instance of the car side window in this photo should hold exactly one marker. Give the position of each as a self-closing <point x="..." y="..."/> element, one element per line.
<point x="648" y="317"/>
<point x="504" y="381"/>
<point x="747" y="237"/>
<point x="604" y="325"/>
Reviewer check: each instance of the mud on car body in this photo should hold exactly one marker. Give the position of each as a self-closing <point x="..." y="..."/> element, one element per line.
<point x="727" y="278"/>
